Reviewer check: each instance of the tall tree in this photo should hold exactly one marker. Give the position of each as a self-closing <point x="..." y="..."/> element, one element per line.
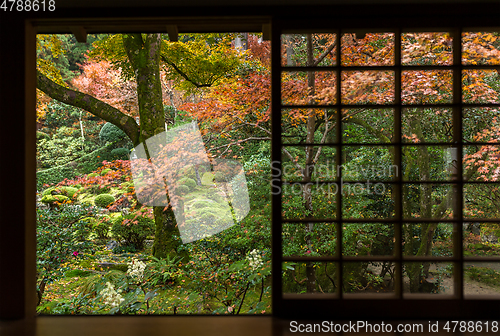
<point x="140" y="56"/>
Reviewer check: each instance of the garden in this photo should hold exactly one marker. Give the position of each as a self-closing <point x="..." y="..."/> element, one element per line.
<point x="104" y="248"/>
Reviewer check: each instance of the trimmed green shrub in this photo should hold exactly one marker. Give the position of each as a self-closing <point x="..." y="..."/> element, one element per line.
<point x="62" y="190"/>
<point x="104" y="200"/>
<point x="207" y="179"/>
<point x="54" y="175"/>
<point x="182" y="190"/>
<point x="105" y="171"/>
<point x="53" y="199"/>
<point x="92" y="175"/>
<point x="202" y="204"/>
<point x="133" y="230"/>
<point x="111" y="133"/>
<point x="42" y="135"/>
<point x="120" y="153"/>
<point x="84" y="165"/>
<point x="190" y="183"/>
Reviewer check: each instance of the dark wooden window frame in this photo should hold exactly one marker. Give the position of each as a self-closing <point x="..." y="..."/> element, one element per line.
<point x="17" y="132"/>
<point x="399" y="305"/>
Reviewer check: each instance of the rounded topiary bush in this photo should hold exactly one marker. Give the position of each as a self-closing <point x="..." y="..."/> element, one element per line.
<point x="63" y="190"/>
<point x="120" y="154"/>
<point x="92" y="175"/>
<point x="53" y="200"/>
<point x="105" y="171"/>
<point x="202" y="204"/>
<point x="182" y="190"/>
<point x="111" y="133"/>
<point x="190" y="183"/>
<point x="104" y="200"/>
<point x="207" y="179"/>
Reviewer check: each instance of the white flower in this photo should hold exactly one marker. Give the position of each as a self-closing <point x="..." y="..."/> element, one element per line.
<point x="254" y="259"/>
<point x="136" y="268"/>
<point x="110" y="296"/>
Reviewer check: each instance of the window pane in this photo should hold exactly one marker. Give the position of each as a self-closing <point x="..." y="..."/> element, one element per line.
<point x="482" y="278"/>
<point x="481" y="86"/>
<point x="366" y="125"/>
<point x="426" y="87"/>
<point x="309" y="239"/>
<point x="482" y="200"/>
<point x="428" y="239"/>
<point x="480" y="124"/>
<point x="296" y="168"/>
<point x="481" y="48"/>
<point x="367" y="201"/>
<point x="426" y="49"/>
<point x="308" y="88"/>
<point x="368" y="163"/>
<point x="294" y="49"/>
<point x="313" y="200"/>
<point x="422" y="125"/>
<point x="367" y="87"/>
<point x="428" y="278"/>
<point x="368" y="277"/>
<point x="481" y="163"/>
<point x="429" y="163"/>
<point x="481" y="239"/>
<point x="370" y="239"/>
<point x="310" y="277"/>
<point x="294" y="125"/>
<point x="428" y="200"/>
<point x="367" y="49"/>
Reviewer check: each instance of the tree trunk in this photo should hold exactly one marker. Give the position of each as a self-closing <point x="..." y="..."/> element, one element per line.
<point x="143" y="52"/>
<point x="417" y="271"/>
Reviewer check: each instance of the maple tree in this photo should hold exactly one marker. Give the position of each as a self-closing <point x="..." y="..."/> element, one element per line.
<point x="239" y="104"/>
<point x="232" y="90"/>
<point x="138" y="57"/>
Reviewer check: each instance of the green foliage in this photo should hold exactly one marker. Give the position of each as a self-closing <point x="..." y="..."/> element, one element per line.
<point x="77" y="273"/>
<point x="163" y="272"/>
<point x="483" y="275"/>
<point x="104" y="200"/>
<point x="182" y="190"/>
<point x="54" y="199"/>
<point x="65" y="146"/>
<point x="105" y="171"/>
<point x="120" y="154"/>
<point x="61" y="190"/>
<point x="133" y="229"/>
<point x="57" y="241"/>
<point x="188" y="182"/>
<point x="83" y="165"/>
<point x="203" y="63"/>
<point x="111" y="133"/>
<point x="101" y="227"/>
<point x="225" y="275"/>
<point x="42" y="135"/>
